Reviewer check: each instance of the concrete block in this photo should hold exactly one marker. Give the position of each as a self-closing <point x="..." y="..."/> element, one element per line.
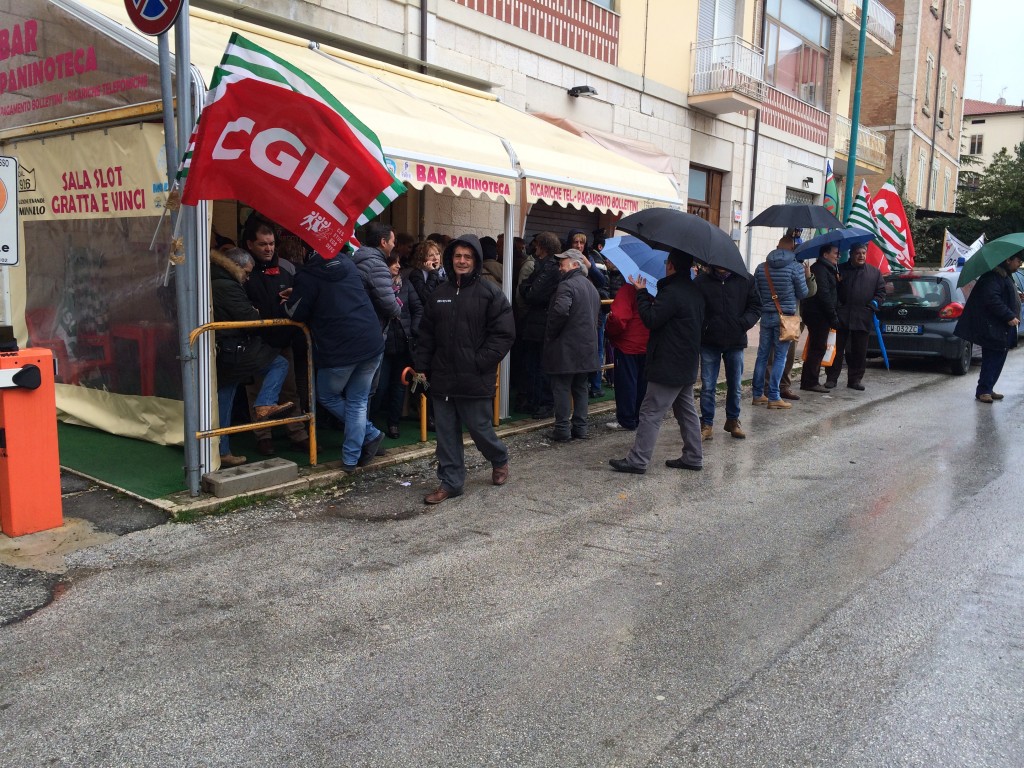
<point x="250" y="477"/>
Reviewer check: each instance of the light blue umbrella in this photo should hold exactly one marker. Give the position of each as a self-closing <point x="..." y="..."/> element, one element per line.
<point x="632" y="257"/>
<point x="845" y="239"/>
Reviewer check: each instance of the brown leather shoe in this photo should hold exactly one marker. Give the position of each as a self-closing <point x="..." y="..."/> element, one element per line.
<point x="707" y="432"/>
<point x="228" y="460"/>
<point x="986" y="398"/>
<point x="781" y="404"/>
<point x="440" y="495"/>
<point x="997" y="396"/>
<point x="788" y="394"/>
<point x="762" y="400"/>
<point x="265" y="412"/>
<point x="265" y="446"/>
<point x="734" y="428"/>
<point x="499" y="475"/>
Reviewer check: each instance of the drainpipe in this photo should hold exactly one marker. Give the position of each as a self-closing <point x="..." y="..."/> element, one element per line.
<point x="423" y="35"/>
<point x="757" y="136"/>
<point x="935" y="110"/>
<point x="851" y="170"/>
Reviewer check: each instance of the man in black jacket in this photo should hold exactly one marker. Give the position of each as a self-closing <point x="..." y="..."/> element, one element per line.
<point x="820" y="314"/>
<point x="270" y="279"/>
<point x="732" y="306"/>
<point x="570" y="346"/>
<point x="466" y="330"/>
<point x="861" y="292"/>
<point x="536" y="292"/>
<point x="675" y="318"/>
<point x="241" y="353"/>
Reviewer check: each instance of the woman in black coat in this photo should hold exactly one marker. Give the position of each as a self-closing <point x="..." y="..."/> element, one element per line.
<point x="990" y="319"/>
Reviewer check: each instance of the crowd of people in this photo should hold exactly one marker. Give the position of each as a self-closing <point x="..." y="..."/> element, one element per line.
<point x="438" y="307"/>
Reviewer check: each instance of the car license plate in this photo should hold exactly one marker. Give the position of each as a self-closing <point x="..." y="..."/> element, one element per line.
<point x="891" y="328"/>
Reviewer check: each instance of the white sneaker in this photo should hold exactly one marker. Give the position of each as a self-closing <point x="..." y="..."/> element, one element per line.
<point x="614" y="425"/>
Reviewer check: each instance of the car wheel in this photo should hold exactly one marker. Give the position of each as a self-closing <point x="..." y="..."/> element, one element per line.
<point x="962" y="364"/>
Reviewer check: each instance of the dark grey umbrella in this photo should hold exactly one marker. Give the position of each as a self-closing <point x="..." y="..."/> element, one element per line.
<point x="792" y="215"/>
<point x="668" y="228"/>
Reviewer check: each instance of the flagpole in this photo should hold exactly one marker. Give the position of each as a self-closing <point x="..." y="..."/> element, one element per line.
<point x="851" y="168"/>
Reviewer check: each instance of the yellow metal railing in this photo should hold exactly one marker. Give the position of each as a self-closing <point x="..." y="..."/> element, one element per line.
<point x="309" y="418"/>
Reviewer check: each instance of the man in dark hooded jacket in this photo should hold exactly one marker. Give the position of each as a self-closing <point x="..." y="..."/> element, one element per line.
<point x="570" y="346"/>
<point x="347" y="348"/>
<point x="466" y="330"/>
<point x="675" y="317"/>
<point x="861" y="292"/>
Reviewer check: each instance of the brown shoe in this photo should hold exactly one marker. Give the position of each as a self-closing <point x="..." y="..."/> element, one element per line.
<point x="778" y="404"/>
<point x="762" y="400"/>
<point x="788" y="394"/>
<point x="265" y="412"/>
<point x="733" y="427"/>
<point x="499" y="475"/>
<point x="227" y="461"/>
<point x="706" y="432"/>
<point x="984" y="398"/>
<point x="440" y="495"/>
<point x="265" y="446"/>
<point x="996" y="396"/>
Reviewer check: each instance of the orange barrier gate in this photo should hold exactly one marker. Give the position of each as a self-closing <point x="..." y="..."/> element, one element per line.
<point x="30" y="499"/>
<point x="308" y="417"/>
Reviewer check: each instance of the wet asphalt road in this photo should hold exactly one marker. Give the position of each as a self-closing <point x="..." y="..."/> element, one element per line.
<point x="843" y="588"/>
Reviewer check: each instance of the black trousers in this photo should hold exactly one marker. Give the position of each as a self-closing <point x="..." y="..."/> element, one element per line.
<point x="855" y="344"/>
<point x="817" y="343"/>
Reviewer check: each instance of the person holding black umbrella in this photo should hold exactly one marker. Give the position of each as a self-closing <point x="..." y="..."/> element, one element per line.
<point x="675" y="317"/>
<point x="990" y="319"/>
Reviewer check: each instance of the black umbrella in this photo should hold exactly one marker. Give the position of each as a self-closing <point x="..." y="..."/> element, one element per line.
<point x="796" y="216"/>
<point x="691" y="234"/>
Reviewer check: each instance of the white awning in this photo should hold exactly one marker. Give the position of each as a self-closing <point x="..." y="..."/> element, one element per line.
<point x="441" y="135"/>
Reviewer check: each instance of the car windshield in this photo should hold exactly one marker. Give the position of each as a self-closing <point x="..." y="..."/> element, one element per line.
<point x="916" y="292"/>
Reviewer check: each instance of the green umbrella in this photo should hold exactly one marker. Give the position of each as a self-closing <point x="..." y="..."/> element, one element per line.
<point x="990" y="256"/>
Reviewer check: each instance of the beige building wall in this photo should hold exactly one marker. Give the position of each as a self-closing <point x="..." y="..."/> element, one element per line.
<point x="997" y="131"/>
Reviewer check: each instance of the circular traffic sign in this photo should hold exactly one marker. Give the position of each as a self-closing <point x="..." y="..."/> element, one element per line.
<point x="153" y="17"/>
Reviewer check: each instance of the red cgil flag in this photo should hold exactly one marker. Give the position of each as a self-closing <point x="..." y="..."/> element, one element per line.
<point x="287" y="155"/>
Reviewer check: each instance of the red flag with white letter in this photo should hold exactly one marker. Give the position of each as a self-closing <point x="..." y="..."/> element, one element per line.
<point x="894" y="236"/>
<point x="291" y="157"/>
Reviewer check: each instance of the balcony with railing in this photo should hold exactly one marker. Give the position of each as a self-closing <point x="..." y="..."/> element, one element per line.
<point x="727" y="75"/>
<point x="881" y="37"/>
<point x="871" y="155"/>
<point x="796" y="117"/>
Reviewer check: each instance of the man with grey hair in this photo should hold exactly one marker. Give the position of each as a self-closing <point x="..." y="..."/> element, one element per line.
<point x="241" y="353"/>
<point x="570" y="345"/>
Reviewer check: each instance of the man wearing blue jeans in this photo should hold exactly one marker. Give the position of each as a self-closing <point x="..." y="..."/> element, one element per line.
<point x="347" y="348"/>
<point x="781" y="284"/>
<point x="731" y="308"/>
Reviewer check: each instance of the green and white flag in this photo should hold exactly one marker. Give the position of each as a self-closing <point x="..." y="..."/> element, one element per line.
<point x="245" y="59"/>
<point x="861" y="216"/>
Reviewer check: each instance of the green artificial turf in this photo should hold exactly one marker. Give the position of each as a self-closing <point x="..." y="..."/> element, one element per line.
<point x="153" y="471"/>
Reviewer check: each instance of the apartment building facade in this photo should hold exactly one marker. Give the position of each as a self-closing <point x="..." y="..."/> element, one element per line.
<point x="915" y="98"/>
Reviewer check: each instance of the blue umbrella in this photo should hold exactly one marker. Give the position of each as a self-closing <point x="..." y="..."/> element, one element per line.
<point x="844" y="238"/>
<point x="632" y="256"/>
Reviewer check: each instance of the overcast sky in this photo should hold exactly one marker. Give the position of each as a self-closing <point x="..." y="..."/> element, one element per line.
<point x="995" y="51"/>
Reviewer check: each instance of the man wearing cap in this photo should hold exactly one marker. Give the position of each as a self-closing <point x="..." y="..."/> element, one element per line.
<point x="675" y="318"/>
<point x="570" y="345"/>
<point x="466" y="330"/>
